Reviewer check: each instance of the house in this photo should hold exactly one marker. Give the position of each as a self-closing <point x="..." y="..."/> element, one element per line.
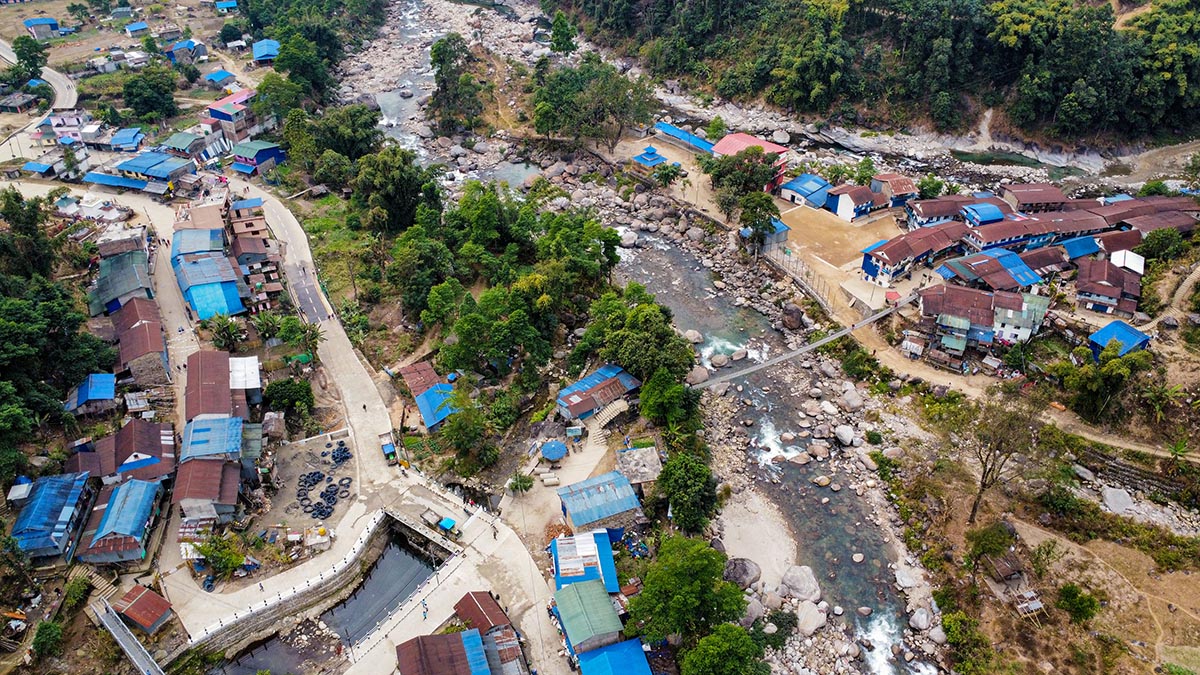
<point x="896" y="188"/>
<point x="69" y="123"/>
<point x="234" y="117"/>
<point x="265" y="52"/>
<point x="885" y="261"/>
<point x="127" y="140"/>
<point x="588" y="618"/>
<point x="119" y="528"/>
<point x="168" y="32"/>
<point x="209" y="436"/>
<point x="645" y="163"/>
<point x="584" y="557"/>
<point x="984" y="213"/>
<point x="1046" y="261"/>
<point x="641" y="466"/>
<point x="965" y="317"/>
<point x="219" y="79"/>
<point x="204" y="217"/>
<point x="419" y="377"/>
<point x="41" y="27"/>
<point x="97" y="394"/>
<point x="1121" y="240"/>
<point x="141" y="344"/>
<point x="850" y="201"/>
<point x="18" y="102"/>
<point x="185" y="51"/>
<point x="434" y="405"/>
<point x="928" y="212"/>
<point x="583" y="399"/>
<point x="776" y="237"/>
<point x="249" y="250"/>
<point x="256" y="157"/>
<point x="69" y="161"/>
<point x="1127" y="337"/>
<point x="808" y="189"/>
<point x="604" y="501"/>
<point x="502" y="646"/>
<point x="121" y="278"/>
<point x="133" y="59"/>
<point x="236" y="45"/>
<point x="156" y="166"/>
<point x="245" y="377"/>
<point x="209" y="283"/>
<point x="225" y="6"/>
<point x="1022" y="234"/>
<point x="207" y="490"/>
<point x="137" y="29"/>
<point x="192" y="241"/>
<point x="479" y="610"/>
<point x="246" y="219"/>
<point x="208" y="391"/>
<point x="145" y="609"/>
<point x="1033" y="197"/>
<point x="732" y="144"/>
<point x="184" y="144"/>
<point x="1101" y="286"/>
<point x="995" y="269"/>
<point x="459" y="653"/>
<point x="688" y="141"/>
<point x="141" y="450"/>
<point x="1080" y="247"/>
<point x="622" y="658"/>
<point x="1185" y="223"/>
<point x="52" y="515"/>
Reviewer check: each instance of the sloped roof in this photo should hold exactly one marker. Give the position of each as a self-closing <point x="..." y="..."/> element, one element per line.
<point x="1035" y="193"/>
<point x="144" y="338"/>
<point x="419" y="377"/>
<point x="1176" y="220"/>
<point x="639" y="465"/>
<point x="623" y="658"/>
<point x="858" y="194"/>
<point x="141" y="449"/>
<point x="1124" y="240"/>
<point x="976" y="306"/>
<point x="584" y="557"/>
<point x="1127" y="336"/>
<point x="900" y="184"/>
<point x="444" y="654"/>
<point x="940" y="207"/>
<point x="1101" y="277"/>
<point x="208" y="384"/>
<point x="142" y="606"/>
<point x="479" y="610"/>
<point x="244" y="373"/>
<point x="597" y="498"/>
<point x="265" y="49"/>
<point x="586" y="611"/>
<point x="95" y="387"/>
<point x="921" y="242"/>
<point x="608" y="383"/>
<point x="208" y="480"/>
<point x="137" y="310"/>
<point x="181" y="141"/>
<point x="732" y="144"/>
<point x="211" y="436"/>
<point x="123" y="513"/>
<point x="43" y="521"/>
<point x="190" y="241"/>
<point x="434" y="404"/>
<point x="219" y="76"/>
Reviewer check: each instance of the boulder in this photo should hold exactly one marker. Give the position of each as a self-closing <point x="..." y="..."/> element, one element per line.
<point x="828" y="369"/>
<point x="802" y="459"/>
<point x="920" y="619"/>
<point x="1169" y="321"/>
<point x="809" y="618"/>
<point x="754" y="612"/>
<point x="792" y="316"/>
<point x="1083" y="473"/>
<point x="772" y="600"/>
<point x="695" y="233"/>
<point x="693" y="336"/>
<point x="864" y="611"/>
<point x="869" y="464"/>
<point x="738" y="355"/>
<point x="844" y="434"/>
<point x="821" y="481"/>
<point x="1117" y="500"/>
<point x="800" y="583"/>
<point x="938" y="635"/>
<point x="852" y="401"/>
<point x="742" y="571"/>
<point x="781" y="137"/>
<point x="699" y="374"/>
<point x="719" y="360"/>
<point x="629" y="240"/>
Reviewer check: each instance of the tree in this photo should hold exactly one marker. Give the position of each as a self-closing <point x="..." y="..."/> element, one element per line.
<point x="929" y="186"/>
<point x="689" y="487"/>
<point x="276" y="96"/>
<point x="520" y="483"/>
<point x="333" y="169"/>
<point x="1096" y="382"/>
<point x="75" y="592"/>
<point x="864" y="171"/>
<point x="594" y="101"/>
<point x="150" y="45"/>
<point x="231" y="32"/>
<point x="1163" y="244"/>
<point x="289" y="395"/>
<point x="1005" y="428"/>
<point x="666" y="173"/>
<point x="455" y="100"/>
<point x="664" y="398"/>
<point x="562" y="34"/>
<point x="226" y="332"/>
<point x="745" y="172"/>
<point x="729" y="650"/>
<point x="1080" y="605"/>
<point x="759" y="213"/>
<point x="392" y="181"/>
<point x="47" y="641"/>
<point x="443" y="303"/>
<point x="151" y="92"/>
<point x="1155" y="188"/>
<point x="715" y="129"/>
<point x="298" y="58"/>
<point x="311" y="337"/>
<point x="79" y="11"/>
<point x="1161" y="397"/>
<point x="351" y="130"/>
<point x="684" y="593"/>
<point x="190" y="72"/>
<point x="266" y="324"/>
<point x="298" y="139"/>
<point x="31" y="57"/>
<point x="101" y="6"/>
<point x="222" y="556"/>
<point x="466" y="429"/>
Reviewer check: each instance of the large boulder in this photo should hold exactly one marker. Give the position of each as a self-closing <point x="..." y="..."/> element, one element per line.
<point x="754" y="612"/>
<point x="697" y="375"/>
<point x="844" y="434"/>
<point x="793" y="316"/>
<point x="781" y="137"/>
<point x="852" y="401"/>
<point x="742" y="571"/>
<point x="800" y="583"/>
<point x="1117" y="500"/>
<point x="809" y="618"/>
<point x="920" y="619"/>
<point x="695" y="233"/>
<point x="693" y="336"/>
<point x="629" y="240"/>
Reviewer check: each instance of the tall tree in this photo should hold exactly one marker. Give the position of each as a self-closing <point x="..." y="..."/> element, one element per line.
<point x="562" y="34"/>
<point x="298" y="58"/>
<point x="455" y="101"/>
<point x="759" y="213"/>
<point x="689" y="487"/>
<point x="1005" y="429"/>
<point x="31" y="57"/>
<point x="728" y="651"/>
<point x="392" y="181"/>
<point x="684" y="593"/>
<point x="352" y="130"/>
<point x="151" y="93"/>
<point x="276" y="96"/>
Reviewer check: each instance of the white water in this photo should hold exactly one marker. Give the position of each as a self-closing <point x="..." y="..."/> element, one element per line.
<point x="883" y="632"/>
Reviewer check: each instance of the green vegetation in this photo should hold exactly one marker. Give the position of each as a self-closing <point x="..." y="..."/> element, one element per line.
<point x="74" y="593"/>
<point x="688" y="486"/>
<point x="31" y="56"/>
<point x="970" y="650"/>
<point x="289" y="395"/>
<point x="47" y="641"/>
<point x="1095" y="386"/>
<point x="633" y="330"/>
<point x="222" y="556"/>
<point x="520" y="483"/>
<point x="455" y="103"/>
<point x="1077" y="603"/>
<point x="151" y="93"/>
<point x="991" y="540"/>
<point x="729" y="650"/>
<point x="593" y="101"/>
<point x="684" y="593"/>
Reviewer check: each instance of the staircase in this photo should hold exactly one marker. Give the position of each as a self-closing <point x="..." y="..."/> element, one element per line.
<point x="607" y="414"/>
<point x="102" y="589"/>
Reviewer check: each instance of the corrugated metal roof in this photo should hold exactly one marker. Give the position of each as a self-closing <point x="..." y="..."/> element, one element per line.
<point x="478" y="609"/>
<point x="623" y="658"/>
<point x="142" y="606"/>
<point x="244" y="373"/>
<point x="141" y="449"/>
<point x="597" y="498"/>
<point x="434" y="404"/>
<point x="211" y="436"/>
<point x="185" y="242"/>
<point x="806" y="184"/>
<point x="208" y="480"/>
<point x="419" y="377"/>
<point x="680" y="135"/>
<point x="586" y="611"/>
<point x="1080" y="246"/>
<point x="1127" y="336"/>
<point x="140" y="163"/>
<point x="128" y="511"/>
<point x="253" y="203"/>
<point x="584" y="557"/>
<point x="44" y="521"/>
<point x="114" y="181"/>
<point x="607" y="384"/>
<point x="219" y="76"/>
<point x="732" y="144"/>
<point x="265" y="49"/>
<point x="95" y="387"/>
<point x="181" y="141"/>
<point x="208" y="384"/>
<point x="442" y="654"/>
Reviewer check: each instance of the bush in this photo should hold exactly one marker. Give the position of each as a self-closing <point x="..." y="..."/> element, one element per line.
<point x="47" y="641"/>
<point x="75" y="592"/>
<point x="991" y="540"/>
<point x="874" y="437"/>
<point x="1077" y="603"/>
<point x="970" y="649"/>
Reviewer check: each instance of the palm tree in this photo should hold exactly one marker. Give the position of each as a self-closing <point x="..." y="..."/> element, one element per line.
<point x="266" y="324"/>
<point x="1161" y="397"/>
<point x="79" y="11"/>
<point x="311" y="337"/>
<point x="520" y="483"/>
<point x="664" y="174"/>
<point x="226" y="332"/>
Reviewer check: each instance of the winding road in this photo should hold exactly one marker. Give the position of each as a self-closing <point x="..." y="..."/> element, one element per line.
<point x="65" y="94"/>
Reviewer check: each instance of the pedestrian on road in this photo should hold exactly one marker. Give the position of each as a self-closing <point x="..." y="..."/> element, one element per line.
<point x="260" y="587"/>
<point x="423" y="605"/>
<point x="364" y="406"/>
<point x="424" y="614"/>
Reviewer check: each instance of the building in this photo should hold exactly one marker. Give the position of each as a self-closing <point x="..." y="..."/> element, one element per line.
<point x="256" y="157"/>
<point x="808" y="189"/>
<point x="434" y="405"/>
<point x="622" y="658"/>
<point x="207" y="490"/>
<point x="850" y="201"/>
<point x="69" y="123"/>
<point x="584" y="557"/>
<point x="645" y="163"/>
<point x="444" y="654"/>
<point x="1033" y="197"/>
<point x="122" y="278"/>
<point x="995" y="269"/>
<point x="97" y="394"/>
<point x="219" y="79"/>
<point x="778" y="235"/>
<point x="156" y="166"/>
<point x="209" y="283"/>
<point x="419" y="377"/>
<point x="928" y="212"/>
<point x="505" y="656"/>
<point x="193" y="241"/>
<point x="1185" y="223"/>
<point x="18" y="102"/>
<point x="121" y="13"/>
<point x="41" y="27"/>
<point x="233" y="116"/>
<point x="479" y="610"/>
<point x="605" y="501"/>
<point x="137" y="29"/>
<point x="249" y="251"/>
<point x="141" y="450"/>
<point x="126" y="140"/>
<point x="984" y="213"/>
<point x="225" y="6"/>
<point x="141" y="344"/>
<point x="732" y="144"/>
<point x="1101" y="286"/>
<point x="144" y="609"/>
<point x="588" y="618"/>
<point x="1130" y="261"/>
<point x="641" y="466"/>
<point x="208" y="391"/>
<point x="49" y="521"/>
<point x="896" y="188"/>
<point x="209" y="436"/>
<point x="184" y="144"/>
<point x="968" y="317"/>
<point x="885" y="261"/>
<point x="69" y="161"/>
<point x="247" y="219"/>
<point x="185" y="51"/>
<point x="688" y="141"/>
<point x="583" y="399"/>
<point x="1128" y="339"/>
<point x="245" y="377"/>
<point x="119" y="528"/>
<point x="265" y="52"/>
<point x="201" y="217"/>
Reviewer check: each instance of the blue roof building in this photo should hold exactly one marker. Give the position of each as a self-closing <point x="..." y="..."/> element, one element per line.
<point x="806" y="188"/>
<point x="460" y="653"/>
<point x="128" y="139"/>
<point x="197" y="241"/>
<point x="604" y="501"/>
<point x="209" y="284"/>
<point x="688" y="140"/>
<point x="117" y="530"/>
<point x="1129" y="338"/>
<point x="220" y="78"/>
<point x="623" y="658"/>
<point x="434" y="405"/>
<point x="137" y="29"/>
<point x="98" y="178"/>
<point x="584" y="557"/>
<point x="778" y="234"/>
<point x="1080" y="247"/>
<point x="582" y="399"/>
<point x="649" y="159"/>
<point x="41" y="27"/>
<point x="212" y="437"/>
<point x="97" y="393"/>
<point x="265" y="51"/>
<point x="983" y="213"/>
<point x="225" y="6"/>
<point x="52" y="516"/>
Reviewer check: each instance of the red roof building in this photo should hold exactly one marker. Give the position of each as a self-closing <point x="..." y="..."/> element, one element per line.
<point x="144" y="608"/>
<point x="732" y="144"/>
<point x="142" y="450"/>
<point x="419" y="377"/>
<point x="208" y="489"/>
<point x="478" y="609"/>
<point x="207" y="385"/>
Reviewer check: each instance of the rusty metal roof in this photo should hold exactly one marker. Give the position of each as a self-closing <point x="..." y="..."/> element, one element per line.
<point x="208" y="385"/>
<point x="142" y="606"/>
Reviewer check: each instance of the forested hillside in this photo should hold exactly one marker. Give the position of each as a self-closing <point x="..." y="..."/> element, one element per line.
<point x="1057" y="67"/>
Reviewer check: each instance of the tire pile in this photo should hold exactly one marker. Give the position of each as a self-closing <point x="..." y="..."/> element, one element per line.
<point x="318" y="502"/>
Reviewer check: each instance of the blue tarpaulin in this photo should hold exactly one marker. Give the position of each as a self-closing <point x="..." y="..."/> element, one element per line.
<point x="95" y="387"/>
<point x="252" y="203"/>
<point x="476" y="657"/>
<point x="446" y="524"/>
<point x="623" y="658"/>
<point x="597" y="498"/>
<point x="554" y="450"/>
<point x="114" y="181"/>
<point x="242" y="168"/>
<point x="689" y="139"/>
<point x="1081" y="246"/>
<point x="43" y="526"/>
<point x="128" y="510"/>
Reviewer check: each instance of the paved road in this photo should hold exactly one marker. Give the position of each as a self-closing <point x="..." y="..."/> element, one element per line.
<point x="65" y="95"/>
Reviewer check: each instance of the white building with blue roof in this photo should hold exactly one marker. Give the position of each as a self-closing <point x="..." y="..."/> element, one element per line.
<point x="583" y="399"/>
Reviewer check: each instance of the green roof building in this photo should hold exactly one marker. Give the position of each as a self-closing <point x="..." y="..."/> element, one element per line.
<point x="588" y="617"/>
<point x="122" y="278"/>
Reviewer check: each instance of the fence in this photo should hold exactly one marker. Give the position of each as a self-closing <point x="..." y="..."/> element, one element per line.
<point x="781" y="257"/>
